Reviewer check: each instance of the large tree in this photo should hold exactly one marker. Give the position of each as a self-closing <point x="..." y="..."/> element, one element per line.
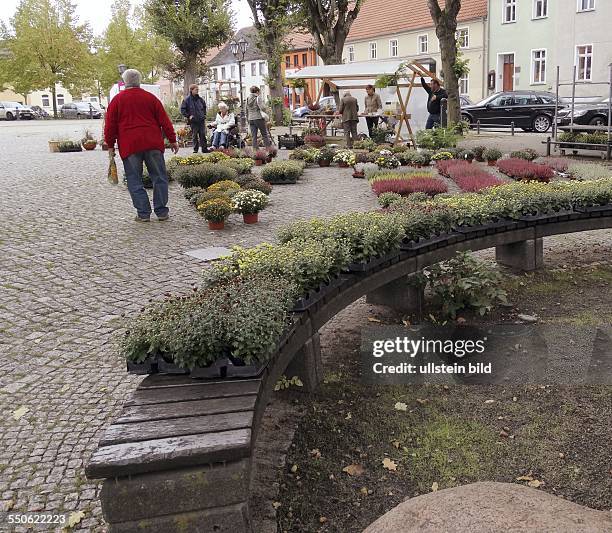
<point x="194" y="27"/>
<point x="445" y="20"/>
<point x="329" y="22"/>
<point x="274" y="19"/>
<point x="129" y="40"/>
<point x="47" y="46"/>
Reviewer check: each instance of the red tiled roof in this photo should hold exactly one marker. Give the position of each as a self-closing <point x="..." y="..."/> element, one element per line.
<point x="385" y="17"/>
<point x="299" y="41"/>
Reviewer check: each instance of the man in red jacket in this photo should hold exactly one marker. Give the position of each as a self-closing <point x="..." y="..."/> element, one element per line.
<point x="135" y="119"/>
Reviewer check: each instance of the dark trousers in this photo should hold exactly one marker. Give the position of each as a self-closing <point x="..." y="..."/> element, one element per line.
<point x="350" y="132"/>
<point x="154" y="159"/>
<point x="432" y="120"/>
<point x="371" y="122"/>
<point x="198" y="130"/>
<point x="259" y="125"/>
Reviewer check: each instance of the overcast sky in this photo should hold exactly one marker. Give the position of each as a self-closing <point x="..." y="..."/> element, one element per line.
<point x="98" y="12"/>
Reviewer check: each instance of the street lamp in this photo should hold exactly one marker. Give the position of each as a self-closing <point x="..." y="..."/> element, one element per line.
<point x="238" y="51"/>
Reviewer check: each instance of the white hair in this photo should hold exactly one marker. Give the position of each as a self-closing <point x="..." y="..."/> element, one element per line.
<point x="132" y="78"/>
<point x="222" y="105"/>
<point x="347" y="93"/>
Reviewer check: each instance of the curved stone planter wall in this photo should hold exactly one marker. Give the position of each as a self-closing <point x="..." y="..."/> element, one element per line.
<point x="179" y="456"/>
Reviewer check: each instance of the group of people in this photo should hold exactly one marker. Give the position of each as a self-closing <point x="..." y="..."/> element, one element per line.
<point x="348" y="109"/>
<point x="135" y="120"/>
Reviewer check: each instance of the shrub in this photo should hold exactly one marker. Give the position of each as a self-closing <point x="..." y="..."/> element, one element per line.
<point x="326" y="153"/>
<point x="365" y="144"/>
<point x="249" y="201"/>
<point x="559" y="164"/>
<point x="365" y="235"/>
<point x="404" y="187"/>
<point x="526" y="153"/>
<point x="241" y="165"/>
<point x="398" y="149"/>
<point x="525" y="170"/>
<point x="479" y="152"/>
<point x="192" y="191"/>
<point x="437" y="138"/>
<point x="388" y="198"/>
<point x="258" y="185"/>
<point x="427" y="154"/>
<point x="282" y="171"/>
<point x="588" y="171"/>
<point x="242" y="318"/>
<point x="203" y="175"/>
<point x="224" y="186"/>
<point x="380" y="134"/>
<point x="216" y="210"/>
<point x="69" y="146"/>
<point x="345" y="156"/>
<point x="440" y="156"/>
<point x="465" y="282"/>
<point x="492" y="154"/>
<point x="412" y="157"/>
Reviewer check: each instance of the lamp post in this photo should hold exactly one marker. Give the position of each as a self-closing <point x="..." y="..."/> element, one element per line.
<point x="238" y="51"/>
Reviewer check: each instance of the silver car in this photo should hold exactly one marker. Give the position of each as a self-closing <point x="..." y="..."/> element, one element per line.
<point x="15" y="110"/>
<point x="79" y="110"/>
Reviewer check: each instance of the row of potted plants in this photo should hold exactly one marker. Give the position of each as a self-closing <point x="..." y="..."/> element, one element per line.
<point x="245" y="302"/>
<point x="525" y="170"/>
<point x="469" y="178"/>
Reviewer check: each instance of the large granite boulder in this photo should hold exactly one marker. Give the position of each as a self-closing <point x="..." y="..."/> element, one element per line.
<point x="490" y="507"/>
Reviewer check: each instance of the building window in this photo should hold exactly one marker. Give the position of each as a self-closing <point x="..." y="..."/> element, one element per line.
<point x="304" y="60"/>
<point x="463" y="37"/>
<point x="464" y="84"/>
<point x="296" y="61"/>
<point x="60" y="99"/>
<point x="423" y="44"/>
<point x="287" y="61"/>
<point x="45" y="100"/>
<point x="372" y="50"/>
<point x="262" y="68"/>
<point x="584" y="62"/>
<point x="223" y="73"/>
<point x="233" y="67"/>
<point x="253" y="69"/>
<point x="540" y="9"/>
<point x="351" y="54"/>
<point x="586" y="5"/>
<point x="393" y="48"/>
<point x="538" y="66"/>
<point x="509" y="11"/>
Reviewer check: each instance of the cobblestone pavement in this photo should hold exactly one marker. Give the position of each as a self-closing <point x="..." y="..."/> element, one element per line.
<point x="72" y="261"/>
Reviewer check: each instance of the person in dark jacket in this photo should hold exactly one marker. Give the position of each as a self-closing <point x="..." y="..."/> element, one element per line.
<point x="349" y="110"/>
<point x="436" y="94"/>
<point x="193" y="109"/>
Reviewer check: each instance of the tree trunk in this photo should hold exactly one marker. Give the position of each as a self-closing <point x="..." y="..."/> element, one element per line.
<point x="53" y="97"/>
<point x="448" y="49"/>
<point x="191" y="68"/>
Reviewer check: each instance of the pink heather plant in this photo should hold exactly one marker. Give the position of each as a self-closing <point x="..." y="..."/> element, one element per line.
<point x="472" y="179"/>
<point x="431" y="186"/>
<point x="525" y="170"/>
<point x="560" y="164"/>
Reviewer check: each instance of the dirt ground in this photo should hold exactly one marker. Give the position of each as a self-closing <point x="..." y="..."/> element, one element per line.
<point x="355" y="455"/>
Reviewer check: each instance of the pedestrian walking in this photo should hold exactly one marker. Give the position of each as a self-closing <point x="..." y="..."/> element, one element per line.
<point x="257" y="117"/>
<point x="349" y="109"/>
<point x="134" y="120"/>
<point x="373" y="108"/>
<point x="434" y="102"/>
<point x="193" y="109"/>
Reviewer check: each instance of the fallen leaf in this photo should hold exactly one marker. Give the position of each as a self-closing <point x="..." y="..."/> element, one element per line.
<point x="396" y="443"/>
<point x="400" y="406"/>
<point x="354" y="470"/>
<point x="535" y="483"/>
<point x="276" y="505"/>
<point x="8" y="505"/>
<point x="421" y="401"/>
<point x="528" y="477"/>
<point x="364" y="491"/>
<point x="434" y="486"/>
<point x="389" y="464"/>
<point x="294" y="469"/>
<point x="372" y="319"/>
<point x="322" y="519"/>
<point x="18" y="413"/>
<point x="348" y="416"/>
<point x="504" y="434"/>
<point x="75" y="517"/>
<point x="489" y="401"/>
<point x="65" y="388"/>
<point x="315" y="453"/>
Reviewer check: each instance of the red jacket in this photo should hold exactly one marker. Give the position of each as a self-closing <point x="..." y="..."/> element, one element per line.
<point x="135" y="119"/>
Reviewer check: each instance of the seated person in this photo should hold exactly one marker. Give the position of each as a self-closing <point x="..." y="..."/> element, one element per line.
<point x="223" y="123"/>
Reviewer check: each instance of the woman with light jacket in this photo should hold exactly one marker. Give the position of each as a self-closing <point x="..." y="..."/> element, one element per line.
<point x="223" y="122"/>
<point x="257" y="117"/>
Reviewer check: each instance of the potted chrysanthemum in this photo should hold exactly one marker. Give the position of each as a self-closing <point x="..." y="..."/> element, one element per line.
<point x="216" y="211"/>
<point x="249" y="202"/>
<point x="344" y="158"/>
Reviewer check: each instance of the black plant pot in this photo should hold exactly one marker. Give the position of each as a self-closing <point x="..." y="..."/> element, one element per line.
<point x="148" y="366"/>
<point x="228" y="367"/>
<point x="314" y="296"/>
<point x="374" y="263"/>
<point x="166" y="367"/>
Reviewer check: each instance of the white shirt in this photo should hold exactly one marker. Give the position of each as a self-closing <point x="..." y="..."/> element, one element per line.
<point x="224" y="123"/>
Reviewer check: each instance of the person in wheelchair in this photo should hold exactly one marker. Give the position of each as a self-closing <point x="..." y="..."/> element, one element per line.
<point x="224" y="125"/>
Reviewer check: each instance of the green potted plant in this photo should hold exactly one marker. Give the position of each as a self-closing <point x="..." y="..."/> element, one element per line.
<point x="298" y="86"/>
<point x="325" y="156"/>
<point x="387" y="84"/>
<point x="492" y="155"/>
<point x="88" y="141"/>
<point x="466" y="155"/>
<point x="478" y="151"/>
<point x="249" y="203"/>
<point x="216" y="211"/>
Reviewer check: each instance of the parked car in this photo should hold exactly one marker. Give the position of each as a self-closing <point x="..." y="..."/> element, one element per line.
<point x="15" y="110"/>
<point x="529" y="110"/>
<point x="79" y="110"/>
<point x="326" y="101"/>
<point x="39" y="112"/>
<point x="596" y="114"/>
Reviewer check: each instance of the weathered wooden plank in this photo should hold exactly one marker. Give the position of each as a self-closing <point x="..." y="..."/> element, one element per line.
<point x="121" y="460"/>
<point x="160" y="429"/>
<point x="142" y="413"/>
<point x="165" y="380"/>
<point x="199" y="391"/>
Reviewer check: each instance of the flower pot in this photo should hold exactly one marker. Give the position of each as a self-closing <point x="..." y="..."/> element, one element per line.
<point x="90" y="146"/>
<point x="259" y="162"/>
<point x="54" y="146"/>
<point x="323" y="163"/>
<point x="250" y="218"/>
<point x="357" y="174"/>
<point x="492" y="163"/>
<point x="216" y="225"/>
<point x="342" y="164"/>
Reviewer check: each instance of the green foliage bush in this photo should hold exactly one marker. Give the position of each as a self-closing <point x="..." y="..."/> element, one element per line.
<point x="437" y="138"/>
<point x="389" y="198"/>
<point x="365" y="144"/>
<point x="241" y="165"/>
<point x="588" y="171"/>
<point x="192" y="191"/>
<point x="528" y="154"/>
<point x="69" y="146"/>
<point x="203" y="175"/>
<point x="258" y="185"/>
<point x="282" y="171"/>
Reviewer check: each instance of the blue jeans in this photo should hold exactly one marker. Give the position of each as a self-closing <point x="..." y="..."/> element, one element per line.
<point x="219" y="138"/>
<point x="156" y="166"/>
<point x="432" y="120"/>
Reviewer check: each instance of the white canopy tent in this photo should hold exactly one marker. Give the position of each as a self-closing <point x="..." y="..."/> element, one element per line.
<point x="357" y="75"/>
